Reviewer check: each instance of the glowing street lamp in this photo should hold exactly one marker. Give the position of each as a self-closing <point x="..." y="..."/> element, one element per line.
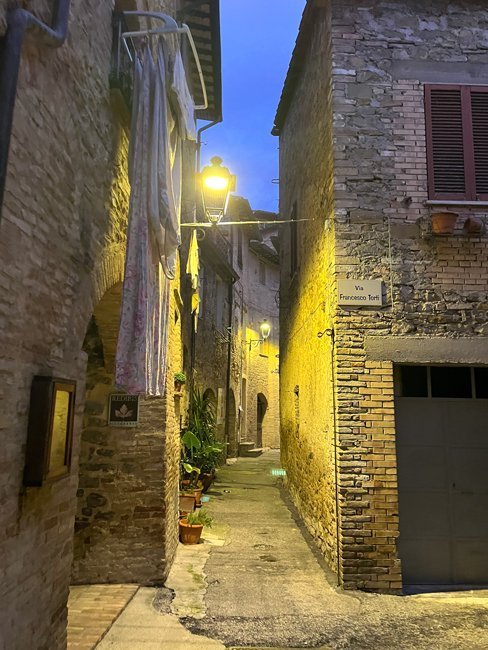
<point x="216" y="183"/>
<point x="265" y="331"/>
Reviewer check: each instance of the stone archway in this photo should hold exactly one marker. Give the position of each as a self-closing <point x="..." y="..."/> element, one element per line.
<point x="125" y="526"/>
<point x="262" y="407"/>
<point x="209" y="395"/>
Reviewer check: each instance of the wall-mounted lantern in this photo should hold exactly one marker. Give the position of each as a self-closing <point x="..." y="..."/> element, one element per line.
<point x="265" y="331"/>
<point x="50" y="430"/>
<point x="216" y="184"/>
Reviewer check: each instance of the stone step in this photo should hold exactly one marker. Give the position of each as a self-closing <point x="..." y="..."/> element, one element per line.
<point x="248" y="450"/>
<point x="245" y="446"/>
<point x="254" y="453"/>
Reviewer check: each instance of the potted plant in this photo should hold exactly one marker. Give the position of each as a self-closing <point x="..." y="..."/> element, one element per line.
<point x="180" y="379"/>
<point x="191" y="526"/>
<point x="190" y="489"/>
<point x="473" y="226"/>
<point x="207" y="458"/>
<point x="201" y="446"/>
<point x="443" y="222"/>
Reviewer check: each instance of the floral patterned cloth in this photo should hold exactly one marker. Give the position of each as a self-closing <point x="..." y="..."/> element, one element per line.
<point x="153" y="231"/>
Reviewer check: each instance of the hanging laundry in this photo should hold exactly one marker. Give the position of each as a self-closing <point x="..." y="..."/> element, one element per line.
<point x="193" y="270"/>
<point x="181" y="99"/>
<point x="153" y="236"/>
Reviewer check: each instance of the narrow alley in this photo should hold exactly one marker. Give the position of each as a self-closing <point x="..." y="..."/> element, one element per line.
<point x="243" y="325"/>
<point x="257" y="581"/>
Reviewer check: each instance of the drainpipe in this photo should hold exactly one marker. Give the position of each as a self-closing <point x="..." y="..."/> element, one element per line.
<point x="229" y="361"/>
<point x="336" y="469"/>
<point x="19" y="22"/>
<point x="193" y="333"/>
<point x="199" y="139"/>
<point x="331" y="334"/>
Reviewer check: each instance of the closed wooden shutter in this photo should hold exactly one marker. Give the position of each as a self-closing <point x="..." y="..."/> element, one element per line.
<point x="479" y="111"/>
<point x="447" y="142"/>
<point x="457" y="142"/>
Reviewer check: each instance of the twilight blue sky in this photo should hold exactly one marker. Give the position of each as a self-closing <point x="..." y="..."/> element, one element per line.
<point x="258" y="37"/>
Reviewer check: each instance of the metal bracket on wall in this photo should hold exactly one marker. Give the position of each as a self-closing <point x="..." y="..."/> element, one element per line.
<point x="19" y="22"/>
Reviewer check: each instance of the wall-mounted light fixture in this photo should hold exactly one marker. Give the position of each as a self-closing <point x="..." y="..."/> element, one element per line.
<point x="265" y="331"/>
<point x="216" y="184"/>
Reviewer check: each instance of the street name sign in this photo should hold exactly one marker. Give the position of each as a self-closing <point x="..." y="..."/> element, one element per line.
<point x="360" y="293"/>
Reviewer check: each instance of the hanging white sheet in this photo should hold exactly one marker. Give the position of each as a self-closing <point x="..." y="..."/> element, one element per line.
<point x="153" y="230"/>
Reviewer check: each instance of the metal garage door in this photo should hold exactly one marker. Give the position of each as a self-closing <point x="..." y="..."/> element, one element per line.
<point x="442" y="454"/>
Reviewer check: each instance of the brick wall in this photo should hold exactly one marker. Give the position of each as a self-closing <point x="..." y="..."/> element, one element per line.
<point x="380" y="225"/>
<point x="306" y="299"/>
<point x="261" y="360"/>
<point x="125" y="528"/>
<point x="61" y="248"/>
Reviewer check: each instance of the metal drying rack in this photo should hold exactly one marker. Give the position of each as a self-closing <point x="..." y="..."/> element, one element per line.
<point x="170" y="27"/>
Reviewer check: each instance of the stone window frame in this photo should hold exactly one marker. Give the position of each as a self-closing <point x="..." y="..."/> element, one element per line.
<point x="460" y="117"/>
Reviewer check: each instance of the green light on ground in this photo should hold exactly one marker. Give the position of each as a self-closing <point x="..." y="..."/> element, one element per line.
<point x="278" y="472"/>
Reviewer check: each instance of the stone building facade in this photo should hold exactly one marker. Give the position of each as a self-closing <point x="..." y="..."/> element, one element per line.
<point x="259" y="284"/>
<point x="62" y="252"/>
<point x="239" y="281"/>
<point x="382" y="406"/>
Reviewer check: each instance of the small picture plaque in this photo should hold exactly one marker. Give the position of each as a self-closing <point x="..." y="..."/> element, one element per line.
<point x="123" y="410"/>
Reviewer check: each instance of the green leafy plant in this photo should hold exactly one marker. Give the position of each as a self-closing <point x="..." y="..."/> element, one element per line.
<point x="190" y="443"/>
<point x="180" y="378"/>
<point x="199" y="448"/>
<point x="208" y="457"/>
<point x="199" y="517"/>
<point x="201" y="417"/>
<point x="189" y="473"/>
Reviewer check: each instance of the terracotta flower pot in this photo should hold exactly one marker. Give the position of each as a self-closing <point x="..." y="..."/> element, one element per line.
<point x="190" y="534"/>
<point x="198" y="497"/>
<point x="443" y="222"/>
<point x="187" y="503"/>
<point x="473" y="226"/>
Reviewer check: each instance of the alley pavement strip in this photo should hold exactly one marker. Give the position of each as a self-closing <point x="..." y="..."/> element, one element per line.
<point x="92" y="610"/>
<point x="256" y="583"/>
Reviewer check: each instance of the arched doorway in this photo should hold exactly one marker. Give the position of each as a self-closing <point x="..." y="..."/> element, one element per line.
<point x="262" y="407"/>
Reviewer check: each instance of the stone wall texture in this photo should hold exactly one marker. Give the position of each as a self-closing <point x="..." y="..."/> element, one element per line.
<point x="367" y="64"/>
<point x="61" y="249"/>
<point x="261" y="360"/>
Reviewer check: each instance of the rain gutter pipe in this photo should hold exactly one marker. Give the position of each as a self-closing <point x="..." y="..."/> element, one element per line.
<point x="331" y="334"/>
<point x="229" y="364"/>
<point x="199" y="139"/>
<point x="19" y="21"/>
<point x="193" y="333"/>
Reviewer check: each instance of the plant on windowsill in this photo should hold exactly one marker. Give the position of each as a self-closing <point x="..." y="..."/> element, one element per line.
<point x="443" y="222"/>
<point x="180" y="380"/>
<point x="192" y="525"/>
<point x="474" y="226"/>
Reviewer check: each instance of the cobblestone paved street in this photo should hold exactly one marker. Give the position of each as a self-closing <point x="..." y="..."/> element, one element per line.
<point x="256" y="582"/>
